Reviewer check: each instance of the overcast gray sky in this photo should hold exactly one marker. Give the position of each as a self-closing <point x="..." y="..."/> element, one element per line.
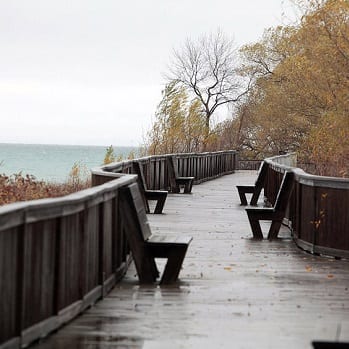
<point x="90" y="72"/>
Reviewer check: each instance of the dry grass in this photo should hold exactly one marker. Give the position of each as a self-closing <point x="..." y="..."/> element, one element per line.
<point x="339" y="169"/>
<point x="18" y="187"/>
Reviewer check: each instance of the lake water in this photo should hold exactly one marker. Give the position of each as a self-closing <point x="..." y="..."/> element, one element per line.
<point x="52" y="162"/>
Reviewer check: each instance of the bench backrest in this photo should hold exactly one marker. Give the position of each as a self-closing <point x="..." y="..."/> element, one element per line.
<point x="133" y="203"/>
<point x="140" y="209"/>
<point x="262" y="174"/>
<point x="260" y="182"/>
<point x="137" y="230"/>
<point x="172" y="170"/>
<point x="138" y="170"/>
<point x="285" y="192"/>
<point x="172" y="164"/>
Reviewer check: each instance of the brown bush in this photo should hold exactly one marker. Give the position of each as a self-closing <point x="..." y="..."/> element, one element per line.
<point x="18" y="187"/>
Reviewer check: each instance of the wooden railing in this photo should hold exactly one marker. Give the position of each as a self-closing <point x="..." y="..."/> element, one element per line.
<point x="318" y="212"/>
<point x="59" y="256"/>
<point x="202" y="166"/>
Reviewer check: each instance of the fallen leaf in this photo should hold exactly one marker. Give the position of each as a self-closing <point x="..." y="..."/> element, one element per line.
<point x="227" y="268"/>
<point x="308" y="268"/>
<point x="330" y="276"/>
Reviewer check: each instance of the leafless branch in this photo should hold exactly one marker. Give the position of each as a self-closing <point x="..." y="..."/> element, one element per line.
<point x="207" y="68"/>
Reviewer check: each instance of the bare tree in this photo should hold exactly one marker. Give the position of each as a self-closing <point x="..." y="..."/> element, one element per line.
<point x="208" y="69"/>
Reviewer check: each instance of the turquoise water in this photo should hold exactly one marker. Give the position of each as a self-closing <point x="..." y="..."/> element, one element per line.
<point x="52" y="162"/>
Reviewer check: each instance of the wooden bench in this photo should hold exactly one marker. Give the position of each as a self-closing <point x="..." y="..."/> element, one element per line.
<point x="255" y="189"/>
<point x="275" y="214"/>
<point x="144" y="245"/>
<point x="156" y="195"/>
<point x="177" y="182"/>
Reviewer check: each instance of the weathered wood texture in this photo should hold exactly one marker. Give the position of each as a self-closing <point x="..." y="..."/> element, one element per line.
<point x="59" y="256"/>
<point x="234" y="292"/>
<point x="63" y="246"/>
<point x="318" y="209"/>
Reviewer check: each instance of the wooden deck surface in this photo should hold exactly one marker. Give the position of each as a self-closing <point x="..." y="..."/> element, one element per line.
<point x="234" y="292"/>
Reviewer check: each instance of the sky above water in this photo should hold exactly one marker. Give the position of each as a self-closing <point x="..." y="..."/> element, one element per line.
<point x="90" y="72"/>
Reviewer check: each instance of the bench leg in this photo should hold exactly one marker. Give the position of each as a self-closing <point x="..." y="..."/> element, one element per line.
<point x="255" y="227"/>
<point x="175" y="189"/>
<point x="255" y="197"/>
<point x="274" y="229"/>
<point x="146" y="204"/>
<point x="148" y="271"/>
<point x="160" y="204"/>
<point x="243" y="199"/>
<point x="173" y="265"/>
<point x="147" y="209"/>
<point x="243" y="190"/>
<point x="188" y="186"/>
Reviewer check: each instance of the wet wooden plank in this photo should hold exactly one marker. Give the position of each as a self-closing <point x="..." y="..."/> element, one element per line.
<point x="233" y="292"/>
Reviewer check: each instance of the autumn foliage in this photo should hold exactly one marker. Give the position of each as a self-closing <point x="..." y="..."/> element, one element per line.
<point x="297" y="99"/>
<point x="18" y="187"/>
<point x="179" y="125"/>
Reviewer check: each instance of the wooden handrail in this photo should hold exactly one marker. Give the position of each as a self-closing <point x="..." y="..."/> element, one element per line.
<point x="202" y="166"/>
<point x="318" y="213"/>
<point x="58" y="255"/>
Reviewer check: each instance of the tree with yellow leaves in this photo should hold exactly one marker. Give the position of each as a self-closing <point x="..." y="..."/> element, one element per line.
<point x="299" y="100"/>
<point x="179" y="124"/>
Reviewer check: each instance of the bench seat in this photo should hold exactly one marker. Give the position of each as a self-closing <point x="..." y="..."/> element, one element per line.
<point x="168" y="239"/>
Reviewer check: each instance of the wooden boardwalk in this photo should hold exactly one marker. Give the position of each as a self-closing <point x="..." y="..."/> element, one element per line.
<point x="234" y="292"/>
